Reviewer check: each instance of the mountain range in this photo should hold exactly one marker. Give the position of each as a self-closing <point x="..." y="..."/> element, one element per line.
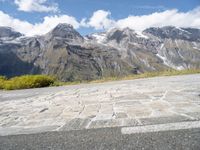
<point x="64" y="53"/>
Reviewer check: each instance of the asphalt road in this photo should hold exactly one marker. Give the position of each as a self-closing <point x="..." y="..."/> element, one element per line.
<point x="104" y="139"/>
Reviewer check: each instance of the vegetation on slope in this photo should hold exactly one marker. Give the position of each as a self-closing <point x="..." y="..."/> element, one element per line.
<point x="26" y="82"/>
<point x="38" y="81"/>
<point x="149" y="75"/>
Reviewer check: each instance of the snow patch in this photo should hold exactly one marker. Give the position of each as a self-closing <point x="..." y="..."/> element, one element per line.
<point x="180" y="68"/>
<point x="183" y="30"/>
<point x="196" y="48"/>
<point x="162" y="45"/>
<point x="141" y="35"/>
<point x="180" y="54"/>
<point x="176" y="43"/>
<point x="8" y="40"/>
<point x="164" y="60"/>
<point x="99" y="37"/>
<point x="169" y="64"/>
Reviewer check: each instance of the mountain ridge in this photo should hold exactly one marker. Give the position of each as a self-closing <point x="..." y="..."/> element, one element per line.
<point x="63" y="52"/>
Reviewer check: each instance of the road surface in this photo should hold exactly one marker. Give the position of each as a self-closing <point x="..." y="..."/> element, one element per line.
<point x="154" y="113"/>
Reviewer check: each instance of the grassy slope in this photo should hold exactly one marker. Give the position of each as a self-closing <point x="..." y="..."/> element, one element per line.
<point x="37" y="81"/>
<point x="149" y="75"/>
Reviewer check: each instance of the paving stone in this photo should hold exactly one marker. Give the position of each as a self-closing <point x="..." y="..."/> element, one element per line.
<point x="75" y="124"/>
<point x="106" y="123"/>
<point x="196" y="115"/>
<point x="163" y="120"/>
<point x="138" y="112"/>
<point x="128" y="103"/>
<point x="133" y="96"/>
<point x="22" y="130"/>
<point x="131" y="122"/>
<point x="121" y="115"/>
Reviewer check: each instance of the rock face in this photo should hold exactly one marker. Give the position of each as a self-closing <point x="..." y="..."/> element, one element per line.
<point x="63" y="52"/>
<point x="6" y="32"/>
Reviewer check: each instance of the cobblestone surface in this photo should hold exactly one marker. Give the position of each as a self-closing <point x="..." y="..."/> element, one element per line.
<point x="113" y="104"/>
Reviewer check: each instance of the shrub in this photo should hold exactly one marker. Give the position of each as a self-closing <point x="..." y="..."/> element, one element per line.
<point x="28" y="81"/>
<point x="2" y="82"/>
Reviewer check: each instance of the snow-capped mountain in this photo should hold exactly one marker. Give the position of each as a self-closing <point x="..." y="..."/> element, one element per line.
<point x="65" y="53"/>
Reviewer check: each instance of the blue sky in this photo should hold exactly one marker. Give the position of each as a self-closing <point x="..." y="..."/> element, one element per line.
<point x="110" y="13"/>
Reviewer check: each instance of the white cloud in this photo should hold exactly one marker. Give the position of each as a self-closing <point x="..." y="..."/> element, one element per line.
<point x="51" y="22"/>
<point x="36" y="5"/>
<point x="165" y="18"/>
<point x="38" y="28"/>
<point x="18" y="25"/>
<point x="101" y="20"/>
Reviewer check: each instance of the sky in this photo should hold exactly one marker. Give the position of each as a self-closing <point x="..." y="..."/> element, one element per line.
<point x="37" y="17"/>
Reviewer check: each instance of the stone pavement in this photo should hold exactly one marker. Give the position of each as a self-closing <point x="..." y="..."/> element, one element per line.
<point x="138" y="102"/>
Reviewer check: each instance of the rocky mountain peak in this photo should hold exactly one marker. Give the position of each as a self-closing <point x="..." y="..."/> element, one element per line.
<point x="128" y="30"/>
<point x="7" y="32"/>
<point x="175" y="33"/>
<point x="120" y="34"/>
<point x="63" y="27"/>
<point x="65" y="31"/>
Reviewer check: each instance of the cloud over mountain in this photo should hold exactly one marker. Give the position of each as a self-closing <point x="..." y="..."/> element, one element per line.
<point x="102" y="19"/>
<point x="29" y="29"/>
